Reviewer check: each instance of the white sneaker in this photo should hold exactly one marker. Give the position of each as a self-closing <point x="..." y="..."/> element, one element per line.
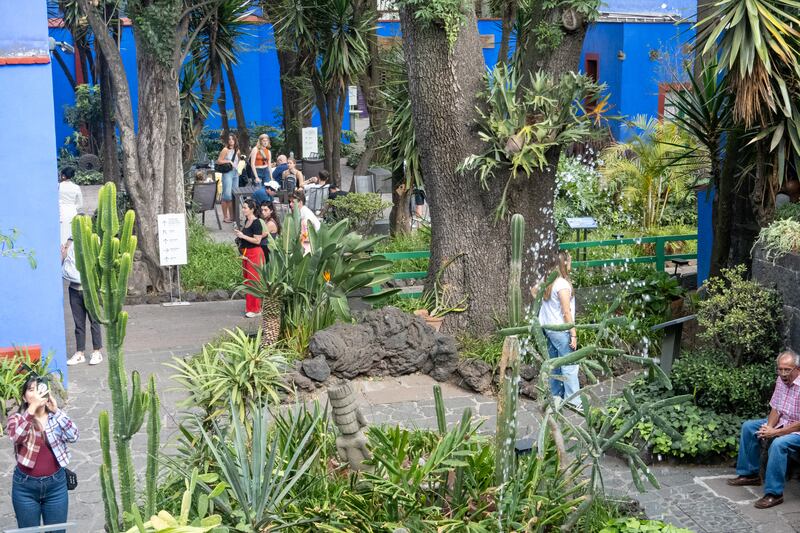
<point x="76" y="359"/>
<point x="97" y="358"/>
<point x="250" y="314"/>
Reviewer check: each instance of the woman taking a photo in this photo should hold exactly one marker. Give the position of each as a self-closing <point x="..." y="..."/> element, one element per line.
<point x="272" y="225"/>
<point x="227" y="164"/>
<point x="40" y="432"/>
<point x="260" y="159"/>
<point x="558" y="307"/>
<point x="249" y="240"/>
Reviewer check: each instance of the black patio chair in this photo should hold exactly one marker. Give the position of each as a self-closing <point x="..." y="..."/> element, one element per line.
<point x="204" y="197"/>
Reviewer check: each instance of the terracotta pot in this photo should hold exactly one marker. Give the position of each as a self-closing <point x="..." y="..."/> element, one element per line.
<point x="433" y="322"/>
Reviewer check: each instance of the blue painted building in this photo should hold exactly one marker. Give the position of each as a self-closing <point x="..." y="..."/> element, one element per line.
<point x="31" y="300"/>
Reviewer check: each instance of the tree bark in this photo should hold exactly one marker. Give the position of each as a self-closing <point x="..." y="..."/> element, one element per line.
<point x="151" y="156"/>
<point x="294" y="112"/>
<point x="443" y="85"/>
<point x="222" y="105"/>
<point x="111" y="170"/>
<point x="509" y="17"/>
<point x="399" y="217"/>
<point x="241" y="123"/>
<point x="722" y="207"/>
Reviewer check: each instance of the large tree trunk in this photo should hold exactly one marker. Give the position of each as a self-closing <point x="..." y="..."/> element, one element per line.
<point x="222" y="105"/>
<point x="330" y="106"/>
<point x="111" y="170"/>
<point x="241" y="123"/>
<point x="443" y="85"/>
<point x="722" y="207"/>
<point x="294" y="111"/>
<point x="151" y="156"/>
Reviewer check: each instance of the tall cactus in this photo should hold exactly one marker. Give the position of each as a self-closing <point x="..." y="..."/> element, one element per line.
<point x="515" y="273"/>
<point x="104" y="257"/>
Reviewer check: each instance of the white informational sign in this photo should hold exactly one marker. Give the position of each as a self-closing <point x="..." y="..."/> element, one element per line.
<point x="581" y="223"/>
<point x="352" y="96"/>
<point x="172" y="239"/>
<point x="310" y="142"/>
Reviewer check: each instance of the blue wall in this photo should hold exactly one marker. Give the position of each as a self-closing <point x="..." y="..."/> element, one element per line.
<point x="705" y="232"/>
<point x="32" y="307"/>
<point x="605" y="40"/>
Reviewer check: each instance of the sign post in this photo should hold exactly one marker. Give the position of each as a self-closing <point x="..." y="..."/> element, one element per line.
<point x="172" y="249"/>
<point x="578" y="224"/>
<point x="310" y="142"/>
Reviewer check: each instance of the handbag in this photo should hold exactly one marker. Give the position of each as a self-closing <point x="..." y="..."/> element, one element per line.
<point x="72" y="479"/>
<point x="224" y="167"/>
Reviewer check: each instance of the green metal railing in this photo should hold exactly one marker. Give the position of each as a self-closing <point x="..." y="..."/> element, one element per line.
<point x="659" y="259"/>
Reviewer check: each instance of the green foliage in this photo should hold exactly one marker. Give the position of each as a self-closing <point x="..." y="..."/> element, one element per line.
<point x="743" y="391"/>
<point x="653" y="173"/>
<point x="790" y="211"/>
<point x="86" y="112"/>
<point x="313" y="287"/>
<point x="360" y="209"/>
<point x="417" y="240"/>
<point x="8" y="247"/>
<point x="741" y="318"/>
<point x="261" y="468"/>
<point x="610" y="275"/>
<point x="651" y="296"/>
<point x="233" y="375"/>
<point x="780" y="238"/>
<point x="447" y="14"/>
<point x="638" y="525"/>
<point x="441" y="299"/>
<point x="155" y="24"/>
<point x="522" y="122"/>
<point x="489" y="350"/>
<point x="701" y="433"/>
<point x="212" y="265"/>
<point x="104" y="256"/>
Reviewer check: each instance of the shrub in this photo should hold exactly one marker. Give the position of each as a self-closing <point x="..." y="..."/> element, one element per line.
<point x="408" y="242"/>
<point x="489" y="349"/>
<point x="89" y="177"/>
<point x="780" y="238"/>
<point x="741" y="317"/>
<point x="704" y="433"/>
<point x="788" y="211"/>
<point x="361" y="210"/>
<point x="744" y="391"/>
<point x="212" y="265"/>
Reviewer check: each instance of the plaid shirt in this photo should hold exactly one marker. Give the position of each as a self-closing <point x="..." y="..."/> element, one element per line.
<point x="28" y="439"/>
<point x="786" y="400"/>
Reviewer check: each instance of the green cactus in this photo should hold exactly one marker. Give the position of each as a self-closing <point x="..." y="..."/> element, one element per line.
<point x="506" y="433"/>
<point x="515" y="274"/>
<point x="104" y="257"/>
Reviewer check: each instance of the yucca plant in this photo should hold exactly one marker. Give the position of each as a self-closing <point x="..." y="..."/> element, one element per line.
<point x="260" y="469"/>
<point x="314" y="286"/>
<point x="237" y="373"/>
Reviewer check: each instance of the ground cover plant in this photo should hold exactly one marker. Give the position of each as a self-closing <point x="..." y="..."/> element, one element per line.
<point x="212" y="265"/>
<point x="781" y="237"/>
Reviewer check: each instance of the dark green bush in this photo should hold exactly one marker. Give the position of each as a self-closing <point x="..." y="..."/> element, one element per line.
<point x="741" y="317"/>
<point x="790" y="211"/>
<point x="706" y="433"/>
<point x="744" y="391"/>
<point x="212" y="265"/>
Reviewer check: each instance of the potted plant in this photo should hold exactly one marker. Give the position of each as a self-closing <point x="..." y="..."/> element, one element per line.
<point x="440" y="300"/>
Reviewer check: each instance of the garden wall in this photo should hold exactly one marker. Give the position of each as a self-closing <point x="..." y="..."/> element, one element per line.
<point x="784" y="274"/>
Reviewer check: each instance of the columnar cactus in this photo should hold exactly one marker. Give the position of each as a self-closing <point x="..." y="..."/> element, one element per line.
<point x="515" y="274"/>
<point x="104" y="261"/>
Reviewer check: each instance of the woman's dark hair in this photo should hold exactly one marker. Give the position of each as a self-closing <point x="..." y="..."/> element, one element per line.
<point x="235" y="141"/>
<point x="250" y="203"/>
<point x="23" y="403"/>
<point x="324" y="175"/>
<point x="68" y="173"/>
<point x="298" y="194"/>
<point x="273" y="216"/>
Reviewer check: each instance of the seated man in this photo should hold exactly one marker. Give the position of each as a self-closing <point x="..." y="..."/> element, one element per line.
<point x="266" y="193"/>
<point x="282" y="165"/>
<point x="782" y="425"/>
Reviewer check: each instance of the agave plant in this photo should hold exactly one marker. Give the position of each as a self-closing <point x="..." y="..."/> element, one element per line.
<point x="314" y="287"/>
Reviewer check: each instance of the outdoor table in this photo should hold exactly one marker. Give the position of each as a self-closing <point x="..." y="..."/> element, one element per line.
<point x="239" y="195"/>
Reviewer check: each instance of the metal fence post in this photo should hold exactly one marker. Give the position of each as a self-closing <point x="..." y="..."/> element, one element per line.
<point x="660" y="254"/>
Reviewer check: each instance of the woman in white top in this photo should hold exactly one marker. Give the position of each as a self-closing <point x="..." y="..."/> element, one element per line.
<point x="70" y="200"/>
<point x="558" y="307"/>
<point x="229" y="154"/>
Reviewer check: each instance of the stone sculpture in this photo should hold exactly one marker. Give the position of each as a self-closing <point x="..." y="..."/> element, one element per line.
<point x="351" y="443"/>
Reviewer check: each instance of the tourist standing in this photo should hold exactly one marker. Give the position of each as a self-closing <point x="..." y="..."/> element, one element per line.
<point x="272" y="225"/>
<point x="249" y="241"/>
<point x="40" y="432"/>
<point x="228" y="157"/>
<point x="70" y="201"/>
<point x="260" y="159"/>
<point x="298" y="203"/>
<point x="558" y="308"/>
<point x="79" y="313"/>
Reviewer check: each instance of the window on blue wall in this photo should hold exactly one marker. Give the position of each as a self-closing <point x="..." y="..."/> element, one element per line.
<point x="591" y="68"/>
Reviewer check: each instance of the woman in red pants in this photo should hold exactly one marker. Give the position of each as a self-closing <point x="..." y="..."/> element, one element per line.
<point x="249" y="240"/>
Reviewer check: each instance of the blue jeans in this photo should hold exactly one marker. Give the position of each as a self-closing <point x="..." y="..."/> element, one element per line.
<point x="40" y="500"/>
<point x="227" y="184"/>
<point x="749" y="461"/>
<point x="566" y="383"/>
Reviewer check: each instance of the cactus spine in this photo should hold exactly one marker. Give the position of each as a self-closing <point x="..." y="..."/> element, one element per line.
<point x="104" y="257"/>
<point x="506" y="433"/>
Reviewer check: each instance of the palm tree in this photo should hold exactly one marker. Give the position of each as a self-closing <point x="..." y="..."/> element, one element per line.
<point x="652" y="168"/>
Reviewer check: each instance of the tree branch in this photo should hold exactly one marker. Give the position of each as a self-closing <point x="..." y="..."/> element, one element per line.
<point x="193" y="36"/>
